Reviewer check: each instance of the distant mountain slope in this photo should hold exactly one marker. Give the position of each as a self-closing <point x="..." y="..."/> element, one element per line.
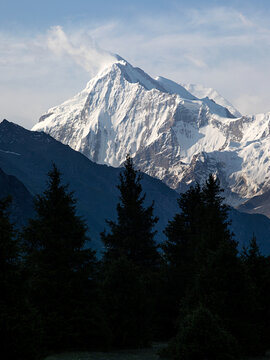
<point x="172" y="134"/>
<point x="202" y="92"/>
<point x="29" y="155"/>
<point x="257" y="205"/>
<point x="245" y="225"/>
<point x="21" y="207"/>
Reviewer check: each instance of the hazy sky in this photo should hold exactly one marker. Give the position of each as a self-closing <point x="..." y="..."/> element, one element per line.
<point x="50" y="49"/>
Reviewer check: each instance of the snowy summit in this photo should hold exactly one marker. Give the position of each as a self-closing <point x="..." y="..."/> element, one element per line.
<point x="177" y="133"/>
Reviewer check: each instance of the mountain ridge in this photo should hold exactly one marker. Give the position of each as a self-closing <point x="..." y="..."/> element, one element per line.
<point x="171" y="134"/>
<point x="28" y="156"/>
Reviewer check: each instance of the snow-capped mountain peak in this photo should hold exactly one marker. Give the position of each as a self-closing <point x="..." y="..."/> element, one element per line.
<point x="177" y="133"/>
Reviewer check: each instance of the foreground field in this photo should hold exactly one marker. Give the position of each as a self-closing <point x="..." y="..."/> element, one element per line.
<point x="141" y="354"/>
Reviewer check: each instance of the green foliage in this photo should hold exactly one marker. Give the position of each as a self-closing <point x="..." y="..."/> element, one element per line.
<point x="17" y="322"/>
<point x="202" y="336"/>
<point x="56" y="297"/>
<point x="130" y="262"/>
<point x="61" y="271"/>
<point x="257" y="268"/>
<point x="126" y="301"/>
<point x="183" y="234"/>
<point x="204" y="266"/>
<point x="132" y="235"/>
<point x="8" y="245"/>
<point x="196" y="233"/>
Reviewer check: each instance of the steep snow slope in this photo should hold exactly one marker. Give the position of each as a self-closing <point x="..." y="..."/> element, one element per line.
<point x="122" y="109"/>
<point x="171" y="134"/>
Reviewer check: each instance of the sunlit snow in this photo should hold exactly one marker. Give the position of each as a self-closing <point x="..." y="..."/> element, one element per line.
<point x="178" y="133"/>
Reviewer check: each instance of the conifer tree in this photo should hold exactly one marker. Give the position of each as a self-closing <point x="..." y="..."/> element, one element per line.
<point x="9" y="280"/>
<point x="130" y="261"/>
<point x="132" y="235"/>
<point x="61" y="270"/>
<point x="258" y="271"/>
<point x="179" y="251"/>
<point x="17" y="341"/>
<point x="201" y="335"/>
<point x="215" y="217"/>
<point x="251" y="255"/>
<point x="196" y="231"/>
<point x="215" y="277"/>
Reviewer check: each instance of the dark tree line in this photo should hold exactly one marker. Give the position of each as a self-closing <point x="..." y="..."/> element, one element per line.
<point x="195" y="291"/>
<point x="216" y="291"/>
<point x="129" y="265"/>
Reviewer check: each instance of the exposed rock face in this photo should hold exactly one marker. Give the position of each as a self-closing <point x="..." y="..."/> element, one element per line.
<point x="172" y="135"/>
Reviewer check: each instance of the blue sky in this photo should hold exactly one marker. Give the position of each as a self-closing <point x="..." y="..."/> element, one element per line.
<point x="41" y="14"/>
<point x="50" y="49"/>
<point x="38" y="15"/>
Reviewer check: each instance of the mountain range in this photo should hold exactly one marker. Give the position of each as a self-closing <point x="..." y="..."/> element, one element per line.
<point x="27" y="156"/>
<point x="176" y="133"/>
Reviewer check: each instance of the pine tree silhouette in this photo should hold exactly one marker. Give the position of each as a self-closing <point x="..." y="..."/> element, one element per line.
<point x="203" y="263"/>
<point x="17" y="323"/>
<point x="130" y="262"/>
<point x="61" y="269"/>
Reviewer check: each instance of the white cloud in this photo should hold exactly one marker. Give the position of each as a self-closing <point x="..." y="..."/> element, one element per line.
<point x="218" y="47"/>
<point x="250" y="102"/>
<point x="82" y="50"/>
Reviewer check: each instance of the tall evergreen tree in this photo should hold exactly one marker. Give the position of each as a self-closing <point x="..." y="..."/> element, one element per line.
<point x="132" y="235"/>
<point x="215" y="217"/>
<point x="197" y="231"/>
<point x="17" y="340"/>
<point x="130" y="262"/>
<point x="257" y="268"/>
<point x="61" y="270"/>
<point x="214" y="276"/>
<point x="179" y="251"/>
